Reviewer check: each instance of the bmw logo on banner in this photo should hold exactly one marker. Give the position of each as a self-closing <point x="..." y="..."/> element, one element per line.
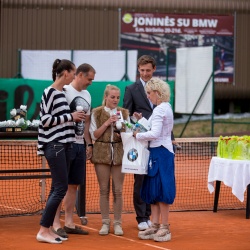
<point x="132" y="154"/>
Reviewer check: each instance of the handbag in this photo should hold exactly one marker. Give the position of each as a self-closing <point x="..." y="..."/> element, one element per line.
<point x="135" y="156"/>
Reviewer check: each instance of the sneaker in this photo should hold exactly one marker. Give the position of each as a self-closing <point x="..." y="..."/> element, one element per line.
<point x="104" y="230"/>
<point x="163" y="234"/>
<point x="118" y="230"/>
<point x="143" y="226"/>
<point x="149" y="233"/>
<point x="149" y="223"/>
<point x="84" y="220"/>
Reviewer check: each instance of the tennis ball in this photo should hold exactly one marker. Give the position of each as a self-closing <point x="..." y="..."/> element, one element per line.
<point x="127" y="18"/>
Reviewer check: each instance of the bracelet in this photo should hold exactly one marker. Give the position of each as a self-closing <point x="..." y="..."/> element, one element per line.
<point x="91" y="145"/>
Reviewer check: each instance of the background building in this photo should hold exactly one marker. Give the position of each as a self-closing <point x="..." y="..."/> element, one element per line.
<point x="94" y="25"/>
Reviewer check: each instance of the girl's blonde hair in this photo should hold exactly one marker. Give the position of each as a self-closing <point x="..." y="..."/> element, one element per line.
<point x="108" y="88"/>
<point x="163" y="89"/>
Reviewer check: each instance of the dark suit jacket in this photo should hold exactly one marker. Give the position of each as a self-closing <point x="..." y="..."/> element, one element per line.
<point x="135" y="100"/>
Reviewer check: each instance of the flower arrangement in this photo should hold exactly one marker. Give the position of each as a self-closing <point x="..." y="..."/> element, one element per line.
<point x="16" y="114"/>
<point x="18" y="121"/>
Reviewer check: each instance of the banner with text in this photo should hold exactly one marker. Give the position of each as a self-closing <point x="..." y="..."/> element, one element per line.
<point x="157" y="34"/>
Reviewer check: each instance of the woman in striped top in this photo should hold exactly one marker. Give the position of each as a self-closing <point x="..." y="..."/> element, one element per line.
<point x="56" y="133"/>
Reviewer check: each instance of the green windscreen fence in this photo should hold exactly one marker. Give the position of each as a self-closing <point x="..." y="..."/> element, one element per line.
<point x="15" y="92"/>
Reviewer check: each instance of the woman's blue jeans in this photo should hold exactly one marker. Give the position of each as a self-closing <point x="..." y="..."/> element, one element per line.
<point x="58" y="156"/>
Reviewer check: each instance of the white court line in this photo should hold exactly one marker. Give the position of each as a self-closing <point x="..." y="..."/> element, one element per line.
<point x="124" y="238"/>
<point x="13" y="208"/>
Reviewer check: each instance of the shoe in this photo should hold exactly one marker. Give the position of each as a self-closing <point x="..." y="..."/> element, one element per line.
<point x="61" y="232"/>
<point x="143" y="226"/>
<point x="76" y="230"/>
<point x="63" y="238"/>
<point x="149" y="223"/>
<point x="40" y="238"/>
<point x="118" y="230"/>
<point x="84" y="220"/>
<point x="163" y="234"/>
<point x="104" y="230"/>
<point x="149" y="233"/>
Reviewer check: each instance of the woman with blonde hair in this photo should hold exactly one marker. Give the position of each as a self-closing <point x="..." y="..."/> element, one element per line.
<point x="158" y="188"/>
<point x="107" y="156"/>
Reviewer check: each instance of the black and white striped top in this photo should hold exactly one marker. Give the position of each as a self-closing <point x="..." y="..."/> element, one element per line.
<point x="56" y="121"/>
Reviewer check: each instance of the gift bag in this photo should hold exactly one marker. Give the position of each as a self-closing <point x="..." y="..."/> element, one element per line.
<point x="136" y="154"/>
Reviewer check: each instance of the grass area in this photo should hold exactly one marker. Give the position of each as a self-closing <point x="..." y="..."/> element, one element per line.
<point x="203" y="128"/>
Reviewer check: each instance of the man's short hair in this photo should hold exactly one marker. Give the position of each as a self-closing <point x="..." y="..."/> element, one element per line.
<point x="85" y="68"/>
<point x="145" y="59"/>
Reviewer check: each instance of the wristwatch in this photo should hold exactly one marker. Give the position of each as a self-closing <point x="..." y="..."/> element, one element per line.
<point x="91" y="145"/>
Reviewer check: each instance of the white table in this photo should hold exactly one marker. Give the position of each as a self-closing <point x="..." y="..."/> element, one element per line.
<point x="233" y="173"/>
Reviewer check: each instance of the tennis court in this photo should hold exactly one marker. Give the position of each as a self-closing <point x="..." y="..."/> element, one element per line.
<point x="193" y="224"/>
<point x="199" y="230"/>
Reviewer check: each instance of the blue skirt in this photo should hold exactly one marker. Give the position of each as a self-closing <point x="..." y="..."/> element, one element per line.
<point x="159" y="184"/>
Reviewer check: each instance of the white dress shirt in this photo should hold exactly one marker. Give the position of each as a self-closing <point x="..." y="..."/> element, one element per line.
<point x="143" y="84"/>
<point x="161" y="123"/>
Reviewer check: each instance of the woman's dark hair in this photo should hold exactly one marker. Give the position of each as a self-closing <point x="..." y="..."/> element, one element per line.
<point x="59" y="66"/>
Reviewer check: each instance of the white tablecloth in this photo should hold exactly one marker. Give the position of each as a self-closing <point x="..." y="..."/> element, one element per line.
<point x="234" y="173"/>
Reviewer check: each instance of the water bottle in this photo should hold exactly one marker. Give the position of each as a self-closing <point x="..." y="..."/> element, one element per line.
<point x="79" y="126"/>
